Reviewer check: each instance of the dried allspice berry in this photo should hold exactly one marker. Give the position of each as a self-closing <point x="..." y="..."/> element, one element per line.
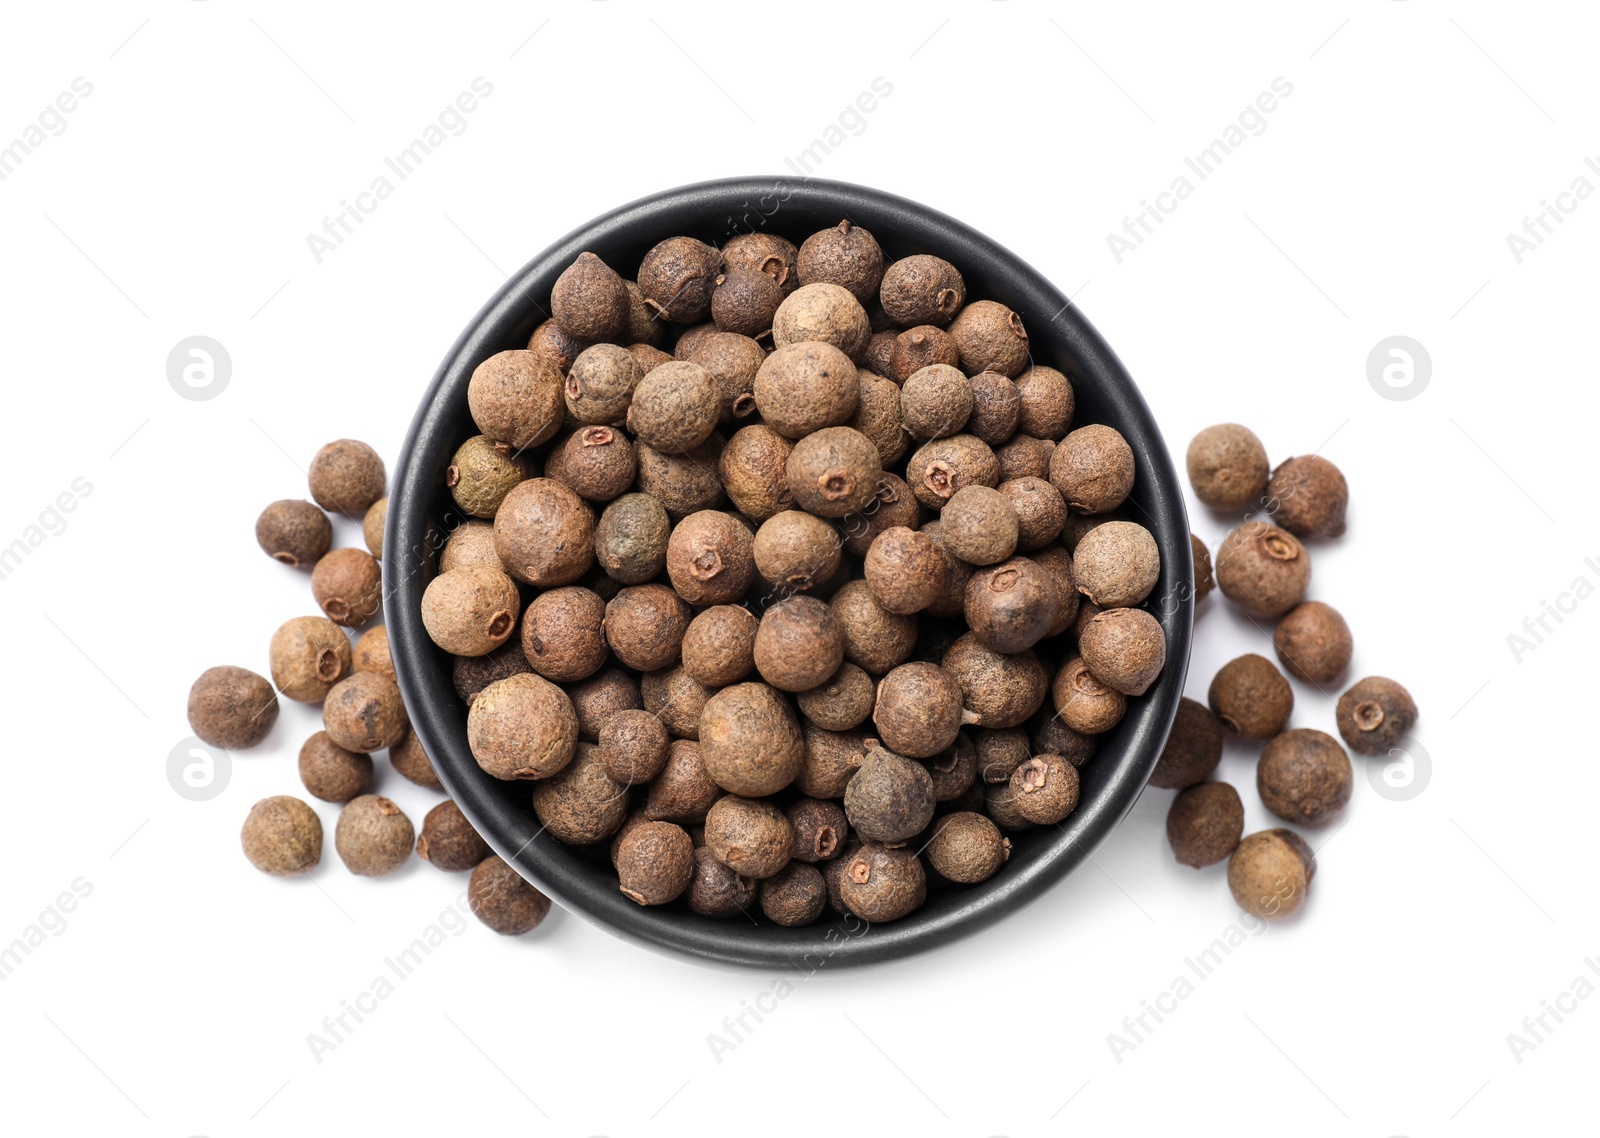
<point x="282" y="836"/>
<point x="470" y="543"/>
<point x="373" y="523"/>
<point x="717" y="891"/>
<point x="691" y="338"/>
<point x="673" y="696"/>
<point x="523" y="726"/>
<point x="655" y="861"/>
<point x="893" y="505"/>
<point x="1001" y="752"/>
<point x="882" y="883"/>
<point x="550" y="343"/>
<point x="471" y="611"/>
<point x="833" y="472"/>
<point x="643" y="329"/>
<point x="633" y="746"/>
<point x="684" y="791"/>
<point x="683" y="483"/>
<point x="922" y="289"/>
<point x="1205" y="578"/>
<point x="294" y="532"/>
<point x="967" y="848"/>
<point x="516" y="398"/>
<point x="346" y="477"/>
<point x="678" y="277"/>
<point x="996" y="408"/>
<point x="593" y="700"/>
<point x="1116" y="564"/>
<point x="364" y="712"/>
<point x="648" y="357"/>
<point x="905" y="569"/>
<point x="794" y="896"/>
<point x="878" y="417"/>
<point x="719" y="646"/>
<point x="676" y="407"/>
<point x="875" y="639"/>
<point x="745" y="301"/>
<point x="935" y="402"/>
<point x="1124" y="648"/>
<point x="330" y="772"/>
<point x="503" y="900"/>
<point x="750" y="740"/>
<point x="847" y="256"/>
<point x="940" y="467"/>
<point x="544" y="533"/>
<point x="764" y="252"/>
<point x="919" y="710"/>
<point x="599" y="386"/>
<point x="1045" y="789"/>
<point x="448" y="841"/>
<point x="630" y="540"/>
<point x="562" y="634"/>
<point x="842" y="701"/>
<point x="799" y="644"/>
<point x="1263" y="569"/>
<point x="920" y="347"/>
<point x="999" y="690"/>
<point x="1193" y="749"/>
<point x="1374" y="715"/>
<point x="822" y="313"/>
<point x="733" y="361"/>
<point x="952" y="601"/>
<point x="1304" y="776"/>
<point x="890" y="798"/>
<point x="803" y="387"/>
<point x="876" y="356"/>
<point x="1047" y="402"/>
<point x="979" y="525"/>
<point x="1039" y="510"/>
<point x="750" y="836"/>
<point x="589" y="301"/>
<point x="1270" y="873"/>
<point x="710" y="558"/>
<point x="1010" y="606"/>
<point x="1022" y="456"/>
<point x="1049" y="734"/>
<point x="598" y="463"/>
<point x="1204" y="824"/>
<point x="348" y="586"/>
<point x="796" y="551"/>
<point x="1313" y="642"/>
<point x="309" y="655"/>
<point x="751" y="467"/>
<point x="644" y="624"/>
<point x="1307" y="496"/>
<point x="819" y="829"/>
<point x="373" y="836"/>
<point x="1251" y="697"/>
<point x="1084" y="703"/>
<point x="990" y="337"/>
<point x="581" y="803"/>
<point x="231" y="707"/>
<point x="1093" y="469"/>
<point x="1227" y="466"/>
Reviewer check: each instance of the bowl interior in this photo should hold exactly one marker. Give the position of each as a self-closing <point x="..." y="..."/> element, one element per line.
<point x="421" y="512"/>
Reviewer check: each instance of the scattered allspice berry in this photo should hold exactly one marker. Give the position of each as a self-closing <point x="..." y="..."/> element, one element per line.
<point x="449" y="842"/>
<point x="1270" y="873"/>
<point x="1307" y="496"/>
<point x="1374" y="715"/>
<point x="373" y="836"/>
<point x="1263" y="569"/>
<point x="348" y="586"/>
<point x="330" y="772"/>
<point x="1304" y="776"/>
<point x="371" y="652"/>
<point x="231" y="707"/>
<point x="1204" y="824"/>
<point x="502" y="900"/>
<point x="309" y="654"/>
<point x="346" y="477"/>
<point x="294" y="532"/>
<point x="1193" y="750"/>
<point x="655" y="861"/>
<point x="410" y="761"/>
<point x="967" y="848"/>
<point x="1227" y="466"/>
<point x="364" y="712"/>
<point x="1313" y="642"/>
<point x="373" y="524"/>
<point x="1205" y="578"/>
<point x="1251" y="697"/>
<point x="282" y="836"/>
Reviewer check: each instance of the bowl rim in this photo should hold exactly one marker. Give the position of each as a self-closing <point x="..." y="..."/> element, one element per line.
<point x="749" y="204"/>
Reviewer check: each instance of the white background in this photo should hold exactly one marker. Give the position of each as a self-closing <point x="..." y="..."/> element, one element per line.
<point x="177" y="202"/>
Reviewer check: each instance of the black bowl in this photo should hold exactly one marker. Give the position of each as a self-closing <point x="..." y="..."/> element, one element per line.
<point x="421" y="510"/>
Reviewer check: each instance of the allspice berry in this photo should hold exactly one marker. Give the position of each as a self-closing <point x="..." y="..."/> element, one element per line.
<point x="655" y="861"/>
<point x="677" y="278"/>
<point x="1374" y="715"/>
<point x="877" y="356"/>
<point x="673" y="696"/>
<point x="875" y="639"/>
<point x="842" y="701"/>
<point x="1116" y="564"/>
<point x="890" y="798"/>
<point x="373" y="523"/>
<point x="1047" y="402"/>
<point x="1227" y="466"/>
<point x="979" y="525"/>
<point x="1205" y="578"/>
<point x="940" y="467"/>
<point x="1010" y="606"/>
<point x="330" y="772"/>
<point x="1251" y="697"/>
<point x="1039" y="509"/>
<point x="750" y="836"/>
<point x="544" y="533"/>
<point x="920" y="347"/>
<point x="348" y="586"/>
<point x="644" y="624"/>
<point x="717" y="891"/>
<point x="1313" y="642"/>
<point x="581" y="803"/>
<point x="803" y="387"/>
<point x="633" y="746"/>
<point x="919" y="710"/>
<point x="563" y="634"/>
<point x="231" y="707"/>
<point x="796" y="551"/>
<point x="967" y="848"/>
<point x="794" y="896"/>
<point x="1051" y="735"/>
<point x="958" y="574"/>
<point x="550" y="343"/>
<point x="630" y="540"/>
<point x="822" y="313"/>
<point x="750" y="740"/>
<point x="996" y="409"/>
<point x="1263" y="569"/>
<point x="1193" y="750"/>
<point x="1124" y="648"/>
<point x="589" y="300"/>
<point x="643" y="329"/>
<point x="1304" y="776"/>
<point x="1270" y="873"/>
<point x="470" y="543"/>
<point x="922" y="289"/>
<point x="599" y="463"/>
<point x="710" y="558"/>
<point x="523" y="726"/>
<point x="691" y="338"/>
<point x="1044" y="789"/>
<point x="471" y="611"/>
<point x="935" y="402"/>
<point x="309" y="655"/>
<point x="599" y="386"/>
<point x="684" y="791"/>
<point x="999" y="690"/>
<point x="745" y="301"/>
<point x="411" y="762"/>
<point x="765" y="252"/>
<point x="847" y="256"/>
<point x="799" y="643"/>
<point x="364" y="712"/>
<point x="449" y="842"/>
<point x="752" y="468"/>
<point x="503" y="900"/>
<point x="1001" y="752"/>
<point x="733" y="361"/>
<point x="346" y="477"/>
<point x="1204" y="824"/>
<point x="878" y="417"/>
<point x="516" y="398"/>
<point x="1093" y="469"/>
<point x="647" y="356"/>
<point x="719" y="645"/>
<point x="893" y="505"/>
<point x="1021" y="455"/>
<point x="294" y="532"/>
<point x="819" y="829"/>
<point x="596" y="698"/>
<point x="675" y="408"/>
<point x="990" y="337"/>
<point x="373" y="836"/>
<point x="833" y="472"/>
<point x="905" y="569"/>
<point x="1085" y="704"/>
<point x="881" y="883"/>
<point x="1307" y="496"/>
<point x="282" y="836"/>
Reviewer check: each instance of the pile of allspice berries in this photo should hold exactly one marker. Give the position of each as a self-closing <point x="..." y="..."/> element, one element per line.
<point x="1303" y="775"/>
<point x="786" y="578"/>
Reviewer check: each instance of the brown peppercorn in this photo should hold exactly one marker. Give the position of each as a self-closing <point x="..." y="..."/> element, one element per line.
<point x="795" y="551"/>
<point x="550" y="343"/>
<point x="655" y="861"/>
<point x="744" y="301"/>
<point x="597" y="462"/>
<point x="294" y="532"/>
<point x="470" y="543"/>
<point x="1193" y="748"/>
<point x="644" y="329"/>
<point x="918" y="711"/>
<point x="710" y="559"/>
<point x="373" y="836"/>
<point x="1084" y="703"/>
<point x="803" y="387"/>
<point x="364" y="712"/>
<point x="1124" y="648"/>
<point x="997" y="690"/>
<point x="595" y="699"/>
<point x="673" y="696"/>
<point x="717" y="891"/>
<point x="750" y="740"/>
<point x="544" y="533"/>
<point x="920" y="347"/>
<point x="1205" y="578"/>
<point x="979" y="525"/>
<point x="600" y="384"/>
<point x="990" y="337"/>
<point x="1307" y="496"/>
<point x="922" y="289"/>
<point x="940" y="467"/>
<point x="1116" y="564"/>
<point x="1263" y="569"/>
<point x="231" y="707"/>
<point x="752" y="468"/>
<point x="830" y="759"/>
<point x="819" y="829"/>
<point x="502" y="900"/>
<point x="1045" y="789"/>
<point x="1204" y="824"/>
<point x="471" y="611"/>
<point x="677" y="278"/>
<point x="833" y="472"/>
<point x="935" y="402"/>
<point x="719" y="646"/>
<point x="733" y="361"/>
<point x="523" y="726"/>
<point x="1001" y="752"/>
<point x="449" y="842"/>
<point x="906" y="570"/>
<point x="1304" y="776"/>
<point x="890" y="798"/>
<point x="1374" y="715"/>
<point x="1048" y="402"/>
<point x="516" y="398"/>
<point x="878" y="417"/>
<point x="580" y="803"/>
<point x="847" y="256"/>
<point x="411" y="762"/>
<point x="842" y="701"/>
<point x="1093" y="469"/>
<point x="346" y="477"/>
<point x="967" y="848"/>
<point x="881" y="883"/>
<point x="1251" y="697"/>
<point x="562" y="634"/>
<point x="676" y="407"/>
<point x="1010" y="606"/>
<point x="1227" y="466"/>
<point x="683" y="483"/>
<point x="875" y="639"/>
<point x="633" y="746"/>
<point x="750" y="836"/>
<point x="644" y="624"/>
<point x="1023" y="456"/>
<point x="1313" y="642"/>
<point x="630" y="540"/>
<point x="282" y="836"/>
<point x="893" y="505"/>
<point x="822" y="313"/>
<point x="589" y="301"/>
<point x="799" y="644"/>
<point x="1270" y="873"/>
<point x="766" y="252"/>
<point x="683" y="792"/>
<point x="794" y="896"/>
<point x="309" y="655"/>
<point x="330" y="772"/>
<point x="348" y="586"/>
